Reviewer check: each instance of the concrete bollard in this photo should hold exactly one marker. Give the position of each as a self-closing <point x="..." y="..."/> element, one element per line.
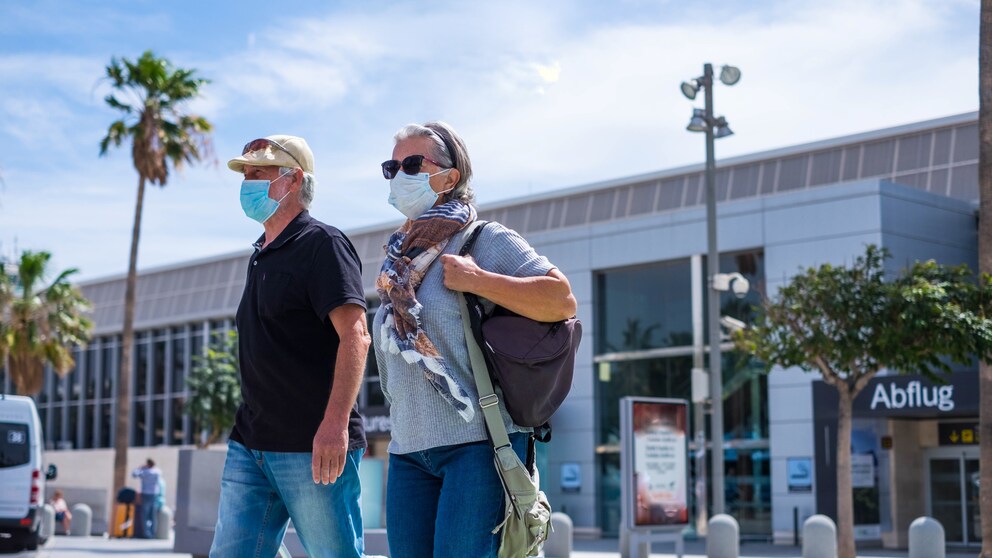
<point x="559" y="543"/>
<point x="47" y="528"/>
<point x="819" y="537"/>
<point x="926" y="538"/>
<point x="723" y="537"/>
<point x="163" y="523"/>
<point x="82" y="521"/>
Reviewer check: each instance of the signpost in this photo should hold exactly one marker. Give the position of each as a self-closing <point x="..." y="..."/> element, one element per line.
<point x="655" y="472"/>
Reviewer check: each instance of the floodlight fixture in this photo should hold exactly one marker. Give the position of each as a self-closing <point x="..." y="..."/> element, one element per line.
<point x="698" y="122"/>
<point x="730" y="75"/>
<point x="690" y="88"/>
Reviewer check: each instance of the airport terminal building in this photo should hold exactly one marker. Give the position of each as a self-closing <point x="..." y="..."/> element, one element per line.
<point x="634" y="250"/>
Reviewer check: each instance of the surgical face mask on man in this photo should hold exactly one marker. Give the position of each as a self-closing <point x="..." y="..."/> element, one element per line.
<point x="255" y="200"/>
<point x="412" y="194"/>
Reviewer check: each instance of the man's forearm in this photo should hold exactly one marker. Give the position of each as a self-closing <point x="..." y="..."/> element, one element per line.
<point x="349" y="369"/>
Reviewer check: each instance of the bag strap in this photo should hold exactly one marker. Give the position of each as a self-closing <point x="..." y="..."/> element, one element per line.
<point x="475" y="228"/>
<point x="472" y="321"/>
<point x="488" y="400"/>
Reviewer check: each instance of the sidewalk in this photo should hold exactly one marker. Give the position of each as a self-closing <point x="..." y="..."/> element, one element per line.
<point x="90" y="547"/>
<point x="609" y="548"/>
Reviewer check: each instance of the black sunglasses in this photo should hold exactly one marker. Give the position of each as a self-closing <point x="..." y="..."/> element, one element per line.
<point x="410" y="165"/>
<point x="261" y="143"/>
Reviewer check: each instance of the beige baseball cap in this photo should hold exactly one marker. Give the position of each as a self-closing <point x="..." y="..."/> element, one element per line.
<point x="275" y="151"/>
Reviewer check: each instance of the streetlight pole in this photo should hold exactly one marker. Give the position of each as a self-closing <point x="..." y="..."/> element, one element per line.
<point x="713" y="127"/>
<point x="713" y="296"/>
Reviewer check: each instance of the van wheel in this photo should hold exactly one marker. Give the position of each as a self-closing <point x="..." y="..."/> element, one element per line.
<point x="31" y="540"/>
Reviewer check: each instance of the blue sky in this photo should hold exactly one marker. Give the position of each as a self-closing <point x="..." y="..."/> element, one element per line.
<point x="547" y="95"/>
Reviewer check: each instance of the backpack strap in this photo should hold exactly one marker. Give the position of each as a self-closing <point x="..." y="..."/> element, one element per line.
<point x="488" y="400"/>
<point x="475" y="228"/>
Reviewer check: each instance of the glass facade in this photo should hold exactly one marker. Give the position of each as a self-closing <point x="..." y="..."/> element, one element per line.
<point x="78" y="411"/>
<point x="644" y="347"/>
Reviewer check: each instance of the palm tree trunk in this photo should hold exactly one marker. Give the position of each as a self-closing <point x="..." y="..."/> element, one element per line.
<point x="985" y="264"/>
<point x="127" y="344"/>
<point x="845" y="495"/>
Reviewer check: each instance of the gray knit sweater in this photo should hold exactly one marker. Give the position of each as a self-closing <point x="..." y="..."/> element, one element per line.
<point x="421" y="419"/>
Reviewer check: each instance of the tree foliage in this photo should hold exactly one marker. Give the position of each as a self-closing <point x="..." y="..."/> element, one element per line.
<point x="849" y="322"/>
<point x="215" y="387"/>
<point x="39" y="323"/>
<point x="150" y="94"/>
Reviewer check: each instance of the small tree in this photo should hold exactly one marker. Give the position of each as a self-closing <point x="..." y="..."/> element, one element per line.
<point x="215" y="388"/>
<point x="39" y="323"/>
<point x="848" y="323"/>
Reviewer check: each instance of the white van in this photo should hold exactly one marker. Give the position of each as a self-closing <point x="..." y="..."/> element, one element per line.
<point x="22" y="482"/>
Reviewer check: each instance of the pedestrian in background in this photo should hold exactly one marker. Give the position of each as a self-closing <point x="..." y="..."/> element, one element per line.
<point x="62" y="513"/>
<point x="150" y="476"/>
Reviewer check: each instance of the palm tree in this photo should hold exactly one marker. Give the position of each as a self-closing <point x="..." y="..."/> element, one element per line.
<point x="39" y="323"/>
<point x="152" y="96"/>
<point x="985" y="262"/>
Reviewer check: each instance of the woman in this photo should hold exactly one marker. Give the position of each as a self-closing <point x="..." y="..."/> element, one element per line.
<point x="62" y="513"/>
<point x="444" y="497"/>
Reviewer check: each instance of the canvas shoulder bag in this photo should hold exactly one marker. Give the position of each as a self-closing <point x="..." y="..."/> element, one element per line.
<point x="530" y="361"/>
<point x="527" y="520"/>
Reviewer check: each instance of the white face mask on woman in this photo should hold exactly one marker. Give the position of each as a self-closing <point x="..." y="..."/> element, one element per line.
<point x="412" y="194"/>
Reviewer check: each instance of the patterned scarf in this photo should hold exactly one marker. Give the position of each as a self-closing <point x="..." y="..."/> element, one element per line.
<point x="409" y="253"/>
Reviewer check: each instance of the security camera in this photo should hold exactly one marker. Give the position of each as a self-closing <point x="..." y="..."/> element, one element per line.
<point x="740" y="287"/>
<point x="734" y="282"/>
<point x="732" y="324"/>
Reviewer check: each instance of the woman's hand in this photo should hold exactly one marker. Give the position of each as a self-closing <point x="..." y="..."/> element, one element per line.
<point x="547" y="298"/>
<point x="461" y="273"/>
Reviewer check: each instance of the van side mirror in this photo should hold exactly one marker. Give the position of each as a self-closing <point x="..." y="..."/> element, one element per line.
<point x="52" y="472"/>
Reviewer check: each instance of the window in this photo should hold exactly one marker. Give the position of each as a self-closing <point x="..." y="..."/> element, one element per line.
<point x="14" y="444"/>
<point x="158" y="368"/>
<point x="140" y="368"/>
<point x="641" y="310"/>
<point x="646" y="307"/>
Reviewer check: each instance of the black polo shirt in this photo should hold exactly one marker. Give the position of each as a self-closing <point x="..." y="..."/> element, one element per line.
<point x="286" y="340"/>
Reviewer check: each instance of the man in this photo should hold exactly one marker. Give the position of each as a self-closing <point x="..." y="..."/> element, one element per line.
<point x="298" y="438"/>
<point x="150" y="476"/>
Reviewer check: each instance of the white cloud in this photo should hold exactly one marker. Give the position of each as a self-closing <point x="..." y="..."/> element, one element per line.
<point x="545" y="95"/>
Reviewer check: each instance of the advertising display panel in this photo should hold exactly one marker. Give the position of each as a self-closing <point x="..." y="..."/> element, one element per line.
<point x="654" y="461"/>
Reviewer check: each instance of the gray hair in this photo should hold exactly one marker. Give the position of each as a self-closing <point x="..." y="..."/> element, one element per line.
<point x="306" y="189"/>
<point x="442" y="136"/>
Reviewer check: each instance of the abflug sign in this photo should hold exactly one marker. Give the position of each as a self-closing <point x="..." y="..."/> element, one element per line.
<point x="914" y="396"/>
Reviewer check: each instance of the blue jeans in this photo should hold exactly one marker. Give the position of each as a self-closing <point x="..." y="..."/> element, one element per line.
<point x="149" y="515"/>
<point x="262" y="490"/>
<point x="445" y="501"/>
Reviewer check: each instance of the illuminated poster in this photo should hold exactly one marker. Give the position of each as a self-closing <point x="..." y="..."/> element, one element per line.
<point x="660" y="465"/>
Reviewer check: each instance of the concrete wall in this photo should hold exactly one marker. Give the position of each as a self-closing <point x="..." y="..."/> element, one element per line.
<point x="94" y="469"/>
<point x="907" y="474"/>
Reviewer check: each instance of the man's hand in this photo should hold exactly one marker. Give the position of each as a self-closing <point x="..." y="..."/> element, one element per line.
<point x="330" y="451"/>
<point x="461" y="273"/>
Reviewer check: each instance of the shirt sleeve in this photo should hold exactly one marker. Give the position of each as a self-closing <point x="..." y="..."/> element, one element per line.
<point x="503" y="251"/>
<point x="335" y="277"/>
